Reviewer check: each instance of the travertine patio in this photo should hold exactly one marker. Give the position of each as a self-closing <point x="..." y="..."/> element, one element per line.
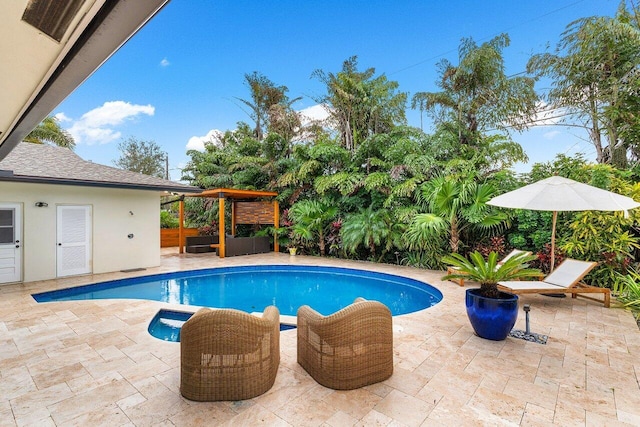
<point x="93" y="363"/>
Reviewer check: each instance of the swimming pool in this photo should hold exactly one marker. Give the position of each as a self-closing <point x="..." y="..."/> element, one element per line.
<point x="167" y="324"/>
<point x="252" y="288"/>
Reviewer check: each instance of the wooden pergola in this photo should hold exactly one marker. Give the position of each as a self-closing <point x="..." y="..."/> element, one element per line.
<point x="242" y="212"/>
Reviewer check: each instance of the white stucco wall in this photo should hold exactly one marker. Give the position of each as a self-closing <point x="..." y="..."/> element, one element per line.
<point x="112" y="250"/>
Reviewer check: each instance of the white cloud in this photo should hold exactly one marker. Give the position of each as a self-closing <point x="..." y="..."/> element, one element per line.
<point x="165" y="62"/>
<point x="98" y="125"/>
<point x="547" y="115"/>
<point x="551" y="135"/>
<point x="197" y="142"/>
<point x="314" y="113"/>
<point x="62" y="117"/>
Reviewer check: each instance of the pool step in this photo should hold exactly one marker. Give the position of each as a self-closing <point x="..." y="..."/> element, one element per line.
<point x="166" y="324"/>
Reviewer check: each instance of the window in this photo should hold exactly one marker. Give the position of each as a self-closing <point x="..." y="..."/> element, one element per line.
<point x="6" y="225"/>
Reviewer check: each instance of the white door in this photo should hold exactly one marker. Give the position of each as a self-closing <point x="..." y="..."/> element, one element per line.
<point x="10" y="242"/>
<point x="74" y="240"/>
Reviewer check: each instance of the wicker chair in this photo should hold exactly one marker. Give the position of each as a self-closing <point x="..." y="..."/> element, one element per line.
<point x="348" y="349"/>
<point x="228" y="354"/>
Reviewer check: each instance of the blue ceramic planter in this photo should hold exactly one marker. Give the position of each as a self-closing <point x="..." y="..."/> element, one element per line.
<point x="492" y="318"/>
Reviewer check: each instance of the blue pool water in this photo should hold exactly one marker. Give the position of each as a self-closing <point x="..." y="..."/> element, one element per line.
<point x="252" y="288"/>
<point x="167" y="324"/>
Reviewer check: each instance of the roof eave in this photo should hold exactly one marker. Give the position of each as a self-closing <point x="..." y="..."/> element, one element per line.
<point x="104" y="184"/>
<point x="112" y="26"/>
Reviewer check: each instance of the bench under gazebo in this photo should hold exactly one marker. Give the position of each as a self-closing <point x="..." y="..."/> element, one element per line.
<point x="247" y="207"/>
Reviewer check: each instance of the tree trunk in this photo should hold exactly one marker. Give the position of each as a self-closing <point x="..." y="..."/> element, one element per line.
<point x="618" y="150"/>
<point x="595" y="133"/>
<point x="489" y="290"/>
<point x="619" y="157"/>
<point x="321" y="243"/>
<point x="454" y="239"/>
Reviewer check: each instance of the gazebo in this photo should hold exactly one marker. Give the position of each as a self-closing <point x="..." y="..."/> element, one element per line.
<point x="245" y="209"/>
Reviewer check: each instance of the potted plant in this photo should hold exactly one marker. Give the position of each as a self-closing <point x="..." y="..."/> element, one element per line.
<point x="492" y="313"/>
<point x="294" y="243"/>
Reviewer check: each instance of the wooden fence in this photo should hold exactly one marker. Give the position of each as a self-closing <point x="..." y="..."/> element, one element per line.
<point x="169" y="236"/>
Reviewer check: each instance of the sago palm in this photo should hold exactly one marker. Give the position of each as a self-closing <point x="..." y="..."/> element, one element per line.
<point x="488" y="272"/>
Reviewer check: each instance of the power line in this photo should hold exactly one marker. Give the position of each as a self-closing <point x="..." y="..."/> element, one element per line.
<point x="488" y="38"/>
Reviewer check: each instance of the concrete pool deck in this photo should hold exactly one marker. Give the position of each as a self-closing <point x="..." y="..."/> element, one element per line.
<point x="94" y="363"/>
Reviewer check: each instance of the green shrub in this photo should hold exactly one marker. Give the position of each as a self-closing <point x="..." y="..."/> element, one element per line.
<point x="167" y="220"/>
<point x="627" y="290"/>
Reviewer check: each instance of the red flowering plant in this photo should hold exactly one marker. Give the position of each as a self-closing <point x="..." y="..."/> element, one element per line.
<point x="334" y="241"/>
<point x="494" y="244"/>
<point x="286" y="223"/>
<point x="544" y="258"/>
<point x="209" y="229"/>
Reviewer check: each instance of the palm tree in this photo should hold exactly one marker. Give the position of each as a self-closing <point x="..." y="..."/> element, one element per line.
<point x="477" y="95"/>
<point x="594" y="75"/>
<point x="264" y="96"/>
<point x="371" y="229"/>
<point x="50" y="132"/>
<point x="360" y="103"/>
<point x="455" y="205"/>
<point x="311" y="220"/>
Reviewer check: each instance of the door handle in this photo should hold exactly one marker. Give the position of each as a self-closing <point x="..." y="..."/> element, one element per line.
<point x="17" y="246"/>
<point x="59" y="244"/>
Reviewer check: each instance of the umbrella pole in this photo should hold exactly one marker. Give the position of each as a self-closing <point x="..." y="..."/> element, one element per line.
<point x="553" y="239"/>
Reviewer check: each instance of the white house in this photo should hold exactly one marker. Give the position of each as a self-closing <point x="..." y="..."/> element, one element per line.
<point x="61" y="215"/>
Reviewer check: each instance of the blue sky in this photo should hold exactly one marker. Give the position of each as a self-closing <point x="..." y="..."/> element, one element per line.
<point x="179" y="77"/>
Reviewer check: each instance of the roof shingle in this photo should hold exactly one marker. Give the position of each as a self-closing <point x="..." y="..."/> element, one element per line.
<point x="29" y="162"/>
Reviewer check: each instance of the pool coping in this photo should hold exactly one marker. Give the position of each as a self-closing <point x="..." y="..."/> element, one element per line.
<point x="70" y="362"/>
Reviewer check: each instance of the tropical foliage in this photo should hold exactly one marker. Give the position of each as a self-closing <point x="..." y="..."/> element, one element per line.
<point x="49" y="131"/>
<point x="375" y="230"/>
<point x="364" y="185"/>
<point x="627" y="290"/>
<point x="311" y="220"/>
<point x="167" y="220"/>
<point x="477" y="95"/>
<point x="453" y="205"/>
<point x="596" y="72"/>
<point x="360" y="103"/>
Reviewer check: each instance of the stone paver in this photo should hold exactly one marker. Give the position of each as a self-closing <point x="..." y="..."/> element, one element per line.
<point x="94" y="363"/>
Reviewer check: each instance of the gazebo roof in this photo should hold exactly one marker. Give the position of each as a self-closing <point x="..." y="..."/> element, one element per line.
<point x="232" y="193"/>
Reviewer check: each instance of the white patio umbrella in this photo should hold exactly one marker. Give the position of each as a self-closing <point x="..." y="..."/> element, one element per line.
<point x="562" y="194"/>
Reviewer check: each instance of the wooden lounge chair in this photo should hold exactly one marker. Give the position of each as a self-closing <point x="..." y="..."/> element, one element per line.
<point x="565" y="279"/>
<point x="348" y="349"/>
<point x="228" y="354"/>
<point x="454" y="270"/>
